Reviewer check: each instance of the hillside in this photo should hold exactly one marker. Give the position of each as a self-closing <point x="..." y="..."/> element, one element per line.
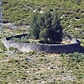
<point x="71" y="13"/>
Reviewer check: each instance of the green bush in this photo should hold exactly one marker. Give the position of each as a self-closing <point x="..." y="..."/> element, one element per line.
<point x="16" y="39"/>
<point x="2" y="47"/>
<point x="4" y="55"/>
<point x="13" y="60"/>
<point x="31" y="52"/>
<point x="46" y="26"/>
<point x="24" y="39"/>
<point x="11" y="48"/>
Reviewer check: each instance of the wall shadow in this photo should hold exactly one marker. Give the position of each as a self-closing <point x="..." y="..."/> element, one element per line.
<point x="82" y="49"/>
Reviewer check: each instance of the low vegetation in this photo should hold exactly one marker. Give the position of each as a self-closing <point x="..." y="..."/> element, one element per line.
<point x="71" y="13"/>
<point x="40" y="68"/>
<point x="18" y="67"/>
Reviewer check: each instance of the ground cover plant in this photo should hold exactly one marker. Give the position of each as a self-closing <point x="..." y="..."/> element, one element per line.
<point x="40" y="68"/>
<point x="17" y="67"/>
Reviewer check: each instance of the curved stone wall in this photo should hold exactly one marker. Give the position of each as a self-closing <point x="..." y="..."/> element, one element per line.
<point x="49" y="48"/>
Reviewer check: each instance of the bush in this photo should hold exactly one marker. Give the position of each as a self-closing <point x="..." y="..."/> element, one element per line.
<point x="46" y="27"/>
<point x="31" y="52"/>
<point x="4" y="55"/>
<point x="24" y="39"/>
<point x="13" y="60"/>
<point x="16" y="39"/>
<point x="3" y="48"/>
<point x="11" y="48"/>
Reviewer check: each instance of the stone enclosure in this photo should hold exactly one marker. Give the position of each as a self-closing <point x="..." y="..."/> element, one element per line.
<point x="74" y="46"/>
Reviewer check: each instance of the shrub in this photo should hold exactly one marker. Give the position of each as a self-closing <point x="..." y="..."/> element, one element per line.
<point x="11" y="48"/>
<point x="4" y="55"/>
<point x="24" y="39"/>
<point x="31" y="52"/>
<point x="46" y="26"/>
<point x="13" y="60"/>
<point x="16" y="39"/>
<point x="2" y="46"/>
<point x="20" y="52"/>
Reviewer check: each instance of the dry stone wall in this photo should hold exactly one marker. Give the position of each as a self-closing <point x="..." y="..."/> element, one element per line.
<point x="49" y="48"/>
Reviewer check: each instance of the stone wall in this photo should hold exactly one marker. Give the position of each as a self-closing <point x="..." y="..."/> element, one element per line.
<point x="49" y="48"/>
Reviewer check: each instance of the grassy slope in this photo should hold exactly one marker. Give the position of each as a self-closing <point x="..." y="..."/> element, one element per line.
<point x="20" y="11"/>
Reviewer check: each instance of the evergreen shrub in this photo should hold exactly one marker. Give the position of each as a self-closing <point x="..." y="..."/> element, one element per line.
<point x="46" y="27"/>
